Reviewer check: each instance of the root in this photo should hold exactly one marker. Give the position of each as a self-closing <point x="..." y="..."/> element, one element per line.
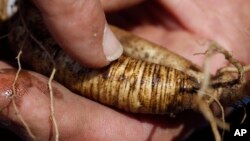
<point x="221" y="123"/>
<point x="230" y="58"/>
<point x="19" y="115"/>
<point x="207" y="113"/>
<point x="206" y="73"/>
<point x="52" y="111"/>
<point x="200" y="99"/>
<point x="203" y="105"/>
<point x="243" y="106"/>
<point x="244" y="116"/>
<point x="233" y="69"/>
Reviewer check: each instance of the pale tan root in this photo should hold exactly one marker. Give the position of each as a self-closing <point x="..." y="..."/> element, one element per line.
<point x="202" y="104"/>
<point x="230" y="58"/>
<point x="237" y="68"/>
<point x="221" y="123"/>
<point x="52" y="105"/>
<point x="142" y="49"/>
<point x="19" y="115"/>
<point x="52" y="111"/>
<point x="244" y="116"/>
<point x="233" y="69"/>
<point x="204" y="108"/>
<point x="207" y="113"/>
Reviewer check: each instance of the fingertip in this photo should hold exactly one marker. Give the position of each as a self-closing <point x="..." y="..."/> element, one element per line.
<point x="111" y="46"/>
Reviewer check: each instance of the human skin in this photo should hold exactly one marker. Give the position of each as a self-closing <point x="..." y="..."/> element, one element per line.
<point x="184" y="27"/>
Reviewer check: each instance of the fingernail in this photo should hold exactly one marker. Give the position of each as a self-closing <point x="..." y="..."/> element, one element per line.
<point x="111" y="46"/>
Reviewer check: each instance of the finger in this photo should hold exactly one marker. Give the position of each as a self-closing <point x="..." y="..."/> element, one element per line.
<point x="80" y="28"/>
<point x="114" y="5"/>
<point x="213" y="20"/>
<point x="168" y="33"/>
<point x="77" y="117"/>
<point x="187" y="45"/>
<point x="173" y="35"/>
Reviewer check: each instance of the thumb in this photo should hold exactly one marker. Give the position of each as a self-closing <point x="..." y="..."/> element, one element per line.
<point x="80" y="28"/>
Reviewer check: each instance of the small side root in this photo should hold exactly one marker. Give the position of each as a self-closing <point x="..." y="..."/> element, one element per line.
<point x="202" y="104"/>
<point x="52" y="110"/>
<point x="221" y="123"/>
<point x="230" y="58"/>
<point x="233" y="69"/>
<point x="244" y="115"/>
<point x="207" y="113"/>
<point x="19" y="115"/>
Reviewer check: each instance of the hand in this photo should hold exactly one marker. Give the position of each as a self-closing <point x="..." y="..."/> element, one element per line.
<point x="185" y="27"/>
<point x="88" y="37"/>
<point x="82" y="119"/>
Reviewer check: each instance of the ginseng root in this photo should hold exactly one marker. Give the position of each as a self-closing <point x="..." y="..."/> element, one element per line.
<point x="129" y="83"/>
<point x="145" y="79"/>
